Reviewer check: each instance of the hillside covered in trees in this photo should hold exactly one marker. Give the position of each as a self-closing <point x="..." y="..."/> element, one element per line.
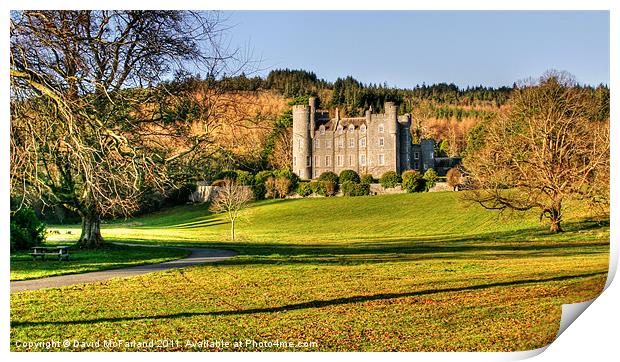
<point x="444" y="112"/>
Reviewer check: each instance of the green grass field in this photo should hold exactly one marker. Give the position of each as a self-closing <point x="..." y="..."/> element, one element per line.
<point x="410" y="272"/>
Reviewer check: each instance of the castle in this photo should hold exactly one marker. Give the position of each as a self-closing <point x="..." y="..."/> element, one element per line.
<point x="373" y="144"/>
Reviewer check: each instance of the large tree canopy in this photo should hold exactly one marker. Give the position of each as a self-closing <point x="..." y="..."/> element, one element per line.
<point x="92" y="120"/>
<point x="551" y="145"/>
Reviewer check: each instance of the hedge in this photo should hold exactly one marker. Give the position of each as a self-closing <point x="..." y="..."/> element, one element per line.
<point x="389" y="179"/>
<point x="355" y="189"/>
<point x="413" y="181"/>
<point x="349" y="175"/>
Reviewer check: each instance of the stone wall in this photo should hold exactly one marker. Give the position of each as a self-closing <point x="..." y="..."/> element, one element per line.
<point x="205" y="192"/>
<point x="440" y="187"/>
<point x="377" y="189"/>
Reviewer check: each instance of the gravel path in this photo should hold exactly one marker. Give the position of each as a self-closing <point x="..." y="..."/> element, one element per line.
<point x="197" y="256"/>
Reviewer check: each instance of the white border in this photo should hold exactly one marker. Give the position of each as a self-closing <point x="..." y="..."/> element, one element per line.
<point x="592" y="336"/>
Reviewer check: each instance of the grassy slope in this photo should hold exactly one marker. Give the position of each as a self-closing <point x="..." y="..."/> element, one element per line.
<point x="401" y="272"/>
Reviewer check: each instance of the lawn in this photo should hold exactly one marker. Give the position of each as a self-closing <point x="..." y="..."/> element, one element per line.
<point x="410" y="272"/>
<point x="81" y="261"/>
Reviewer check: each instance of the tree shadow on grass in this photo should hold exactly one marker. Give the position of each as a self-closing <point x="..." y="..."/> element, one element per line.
<point x="311" y="304"/>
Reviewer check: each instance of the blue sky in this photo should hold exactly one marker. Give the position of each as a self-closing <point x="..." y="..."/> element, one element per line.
<point x="405" y="48"/>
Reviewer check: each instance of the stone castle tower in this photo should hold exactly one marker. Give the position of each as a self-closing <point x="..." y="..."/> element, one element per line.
<point x="373" y="144"/>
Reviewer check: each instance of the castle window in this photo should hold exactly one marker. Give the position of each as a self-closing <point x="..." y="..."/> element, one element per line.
<point x="328" y="161"/>
<point x="363" y="142"/>
<point x="381" y="128"/>
<point x="340" y="160"/>
<point x="328" y="143"/>
<point x="294" y="161"/>
<point x="300" y="144"/>
<point x="317" y="143"/>
<point x="351" y="128"/>
<point x="301" y="173"/>
<point x="339" y="129"/>
<point x="340" y="142"/>
<point x="363" y="160"/>
<point x="308" y="161"/>
<point x="316" y="173"/>
<point x="416" y="165"/>
<point x="351" y="143"/>
<point x="381" y="142"/>
<point x="381" y="160"/>
<point x="316" y="161"/>
<point x="351" y="160"/>
<point x="363" y="128"/>
<point x="322" y="129"/>
<point x="416" y="156"/>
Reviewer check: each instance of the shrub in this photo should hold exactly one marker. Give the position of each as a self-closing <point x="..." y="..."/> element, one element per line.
<point x="270" y="188"/>
<point x="389" y="179"/>
<point x="349" y="175"/>
<point x="316" y="187"/>
<point x="355" y="189"/>
<point x="431" y="177"/>
<point x="262" y="176"/>
<point x="329" y="176"/>
<point x="26" y="230"/>
<point x="258" y="188"/>
<point x="367" y="179"/>
<point x="282" y="186"/>
<point x="413" y="181"/>
<point x="259" y="191"/>
<point x="304" y="189"/>
<point x="290" y="175"/>
<point x="454" y="178"/>
<point x="245" y="178"/>
<point x="328" y="188"/>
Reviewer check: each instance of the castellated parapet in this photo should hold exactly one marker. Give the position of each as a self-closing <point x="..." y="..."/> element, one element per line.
<point x="373" y="144"/>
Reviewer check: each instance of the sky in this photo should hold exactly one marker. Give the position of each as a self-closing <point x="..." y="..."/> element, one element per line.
<point x="405" y="48"/>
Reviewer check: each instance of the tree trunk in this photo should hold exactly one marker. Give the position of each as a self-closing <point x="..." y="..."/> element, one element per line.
<point x="555" y="216"/>
<point x="232" y="230"/>
<point x="91" y="233"/>
<point x="555" y="225"/>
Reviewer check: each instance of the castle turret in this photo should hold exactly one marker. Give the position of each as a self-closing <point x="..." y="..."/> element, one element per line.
<point x="312" y="104"/>
<point x="302" y="145"/>
<point x="428" y="154"/>
<point x="404" y="136"/>
<point x="391" y="117"/>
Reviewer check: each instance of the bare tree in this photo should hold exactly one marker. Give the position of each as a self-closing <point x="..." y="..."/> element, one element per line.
<point x="271" y="190"/>
<point x="282" y="185"/>
<point x="551" y="145"/>
<point x="282" y="156"/>
<point x="231" y="198"/>
<point x="92" y="122"/>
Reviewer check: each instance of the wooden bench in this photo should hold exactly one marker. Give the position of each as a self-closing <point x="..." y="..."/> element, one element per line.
<point x="61" y="252"/>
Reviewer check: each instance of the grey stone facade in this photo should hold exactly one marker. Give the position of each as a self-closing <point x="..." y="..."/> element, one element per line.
<point x="373" y="144"/>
